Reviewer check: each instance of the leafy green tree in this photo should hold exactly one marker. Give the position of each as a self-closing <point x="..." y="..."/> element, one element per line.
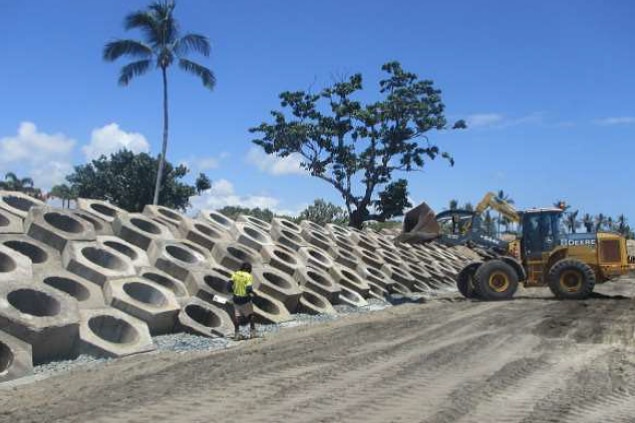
<point x="468" y="206"/>
<point x="203" y="183"/>
<point x="234" y="211"/>
<point x="346" y="143"/>
<point x="125" y="179"/>
<point x="588" y="222"/>
<point x="572" y="222"/>
<point x="323" y="212"/>
<point x="453" y="204"/>
<point x="161" y="47"/>
<point x="622" y="226"/>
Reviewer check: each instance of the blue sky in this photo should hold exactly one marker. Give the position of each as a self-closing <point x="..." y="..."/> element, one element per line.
<point x="547" y="88"/>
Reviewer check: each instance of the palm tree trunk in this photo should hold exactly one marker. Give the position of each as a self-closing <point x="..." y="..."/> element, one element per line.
<point x="164" y="147"/>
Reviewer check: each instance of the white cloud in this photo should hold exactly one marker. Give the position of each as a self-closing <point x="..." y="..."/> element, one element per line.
<point x="619" y="120"/>
<point x="222" y="194"/>
<point x="110" y="139"/>
<point x="274" y="165"/>
<point x="497" y="120"/>
<point x="483" y="119"/>
<point x="44" y="157"/>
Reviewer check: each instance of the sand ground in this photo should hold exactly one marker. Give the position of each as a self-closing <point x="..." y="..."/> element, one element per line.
<point x="533" y="359"/>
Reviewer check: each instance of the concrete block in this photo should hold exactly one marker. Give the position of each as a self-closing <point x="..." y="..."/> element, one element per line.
<point x="175" y="258"/>
<point x="99" y="208"/>
<point x="108" y="332"/>
<point x="215" y="218"/>
<point x="398" y="274"/>
<point x="14" y="266"/>
<point x="165" y="215"/>
<point x="288" y="238"/>
<point x="373" y="275"/>
<point x="371" y="259"/>
<point x="157" y="276"/>
<point x="281" y="258"/>
<point x="86" y="293"/>
<point x="349" y="278"/>
<point x="307" y="224"/>
<point x="367" y="242"/>
<point x="102" y="227"/>
<point x="278" y="285"/>
<point x="345" y="257"/>
<point x="377" y="291"/>
<point x="10" y="223"/>
<point x="56" y="227"/>
<point x="139" y="230"/>
<point x="147" y="301"/>
<point x="317" y="238"/>
<point x="254" y="221"/>
<point x="313" y="303"/>
<point x="351" y="297"/>
<point x="319" y="281"/>
<point x="278" y="224"/>
<point x="269" y="310"/>
<point x="232" y="255"/>
<point x="390" y="257"/>
<point x="315" y="257"/>
<point x="41" y="316"/>
<point x="137" y="256"/>
<point x="96" y="263"/>
<point x="251" y="236"/>
<point x="205" y="319"/>
<point x="207" y="283"/>
<point x="15" y="358"/>
<point x="339" y="230"/>
<point x="18" y="203"/>
<point x="344" y="242"/>
<point x="203" y="234"/>
<point x="40" y="254"/>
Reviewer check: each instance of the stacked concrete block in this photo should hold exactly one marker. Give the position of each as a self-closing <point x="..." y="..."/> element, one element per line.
<point x="279" y="224"/>
<point x="140" y="230"/>
<point x="137" y="256"/>
<point x="146" y="300"/>
<point x="14" y="267"/>
<point x="281" y="258"/>
<point x="216" y="219"/>
<point x="202" y="233"/>
<point x="100" y="209"/>
<point x="18" y="203"/>
<point x="320" y="282"/>
<point x="86" y="293"/>
<point x="207" y="319"/>
<point x="41" y="316"/>
<point x="175" y="258"/>
<point x="312" y="302"/>
<point x="251" y="236"/>
<point x="101" y="226"/>
<point x="10" y="223"/>
<point x="279" y="285"/>
<point x="41" y="256"/>
<point x="165" y="216"/>
<point x="108" y="332"/>
<point x="345" y="277"/>
<point x="96" y="263"/>
<point x="268" y="309"/>
<point x="233" y="254"/>
<point x="254" y="221"/>
<point x="287" y="237"/>
<point x="315" y="257"/>
<point x="351" y="297"/>
<point x="157" y="276"/>
<point x="206" y="284"/>
<point x="15" y="358"/>
<point x="56" y="227"/>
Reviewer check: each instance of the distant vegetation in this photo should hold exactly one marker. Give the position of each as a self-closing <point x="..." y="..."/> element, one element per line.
<point x="342" y="141"/>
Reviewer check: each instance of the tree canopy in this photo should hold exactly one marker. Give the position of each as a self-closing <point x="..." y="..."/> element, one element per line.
<point x="323" y="212"/>
<point x="346" y="143"/>
<point x="125" y="179"/>
<point x="234" y="211"/>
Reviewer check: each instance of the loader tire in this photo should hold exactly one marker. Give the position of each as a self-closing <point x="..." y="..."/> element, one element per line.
<point x="465" y="281"/>
<point x="495" y="280"/>
<point x="571" y="279"/>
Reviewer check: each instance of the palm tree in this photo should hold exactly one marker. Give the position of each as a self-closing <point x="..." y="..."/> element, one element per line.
<point x="622" y="226"/>
<point x="64" y="193"/>
<point x="587" y="221"/>
<point x="162" y="46"/>
<point x="13" y="183"/>
<point x="572" y="221"/>
<point x="502" y="220"/>
<point x="600" y="220"/>
<point x="468" y="206"/>
<point x="610" y="223"/>
<point x="561" y="204"/>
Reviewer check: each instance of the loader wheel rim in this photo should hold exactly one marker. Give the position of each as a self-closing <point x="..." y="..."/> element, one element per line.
<point x="498" y="282"/>
<point x="571" y="280"/>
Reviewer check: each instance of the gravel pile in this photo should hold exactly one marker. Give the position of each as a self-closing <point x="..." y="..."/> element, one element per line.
<point x="185" y="342"/>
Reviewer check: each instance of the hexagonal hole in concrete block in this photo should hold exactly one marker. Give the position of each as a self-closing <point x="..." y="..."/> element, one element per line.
<point x="352" y="297"/>
<point x="203" y="316"/>
<point x="279" y="223"/>
<point x="216" y="218"/>
<point x="145" y="293"/>
<point x="268" y="309"/>
<point x="233" y="255"/>
<point x="259" y="223"/>
<point x="205" y="319"/>
<point x="314" y="257"/>
<point x="10" y="223"/>
<point x="34" y="303"/>
<point x="103" y="258"/>
<point x="289" y="239"/>
<point x="177" y="287"/>
<point x="7" y="264"/>
<point x="313" y="303"/>
<point x="63" y="222"/>
<point x="251" y="236"/>
<point x="101" y="226"/>
<point x="6" y="357"/>
<point x="18" y="203"/>
<point x="15" y="358"/>
<point x="320" y="282"/>
<point x="36" y="253"/>
<point x="69" y="286"/>
<point x="113" y="329"/>
<point x="137" y="255"/>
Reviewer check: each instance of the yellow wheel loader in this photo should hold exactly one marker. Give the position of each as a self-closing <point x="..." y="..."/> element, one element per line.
<point x="544" y="255"/>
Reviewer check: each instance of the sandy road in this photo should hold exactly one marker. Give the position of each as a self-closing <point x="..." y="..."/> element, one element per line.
<point x="529" y="360"/>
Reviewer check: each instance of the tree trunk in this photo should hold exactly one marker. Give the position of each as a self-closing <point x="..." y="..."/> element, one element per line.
<point x="164" y="147"/>
<point x="356" y="219"/>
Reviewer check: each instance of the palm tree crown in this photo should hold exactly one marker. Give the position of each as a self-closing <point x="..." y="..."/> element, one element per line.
<point x="162" y="46"/>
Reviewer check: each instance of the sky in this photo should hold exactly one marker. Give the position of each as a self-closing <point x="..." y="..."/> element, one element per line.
<point x="546" y="88"/>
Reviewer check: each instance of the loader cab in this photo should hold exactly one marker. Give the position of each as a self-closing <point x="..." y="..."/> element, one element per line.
<point x="542" y="230"/>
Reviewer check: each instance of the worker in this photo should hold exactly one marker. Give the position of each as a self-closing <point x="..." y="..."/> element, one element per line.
<point x="240" y="286"/>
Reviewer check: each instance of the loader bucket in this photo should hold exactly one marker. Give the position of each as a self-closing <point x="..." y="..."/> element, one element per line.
<point x="419" y="226"/>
